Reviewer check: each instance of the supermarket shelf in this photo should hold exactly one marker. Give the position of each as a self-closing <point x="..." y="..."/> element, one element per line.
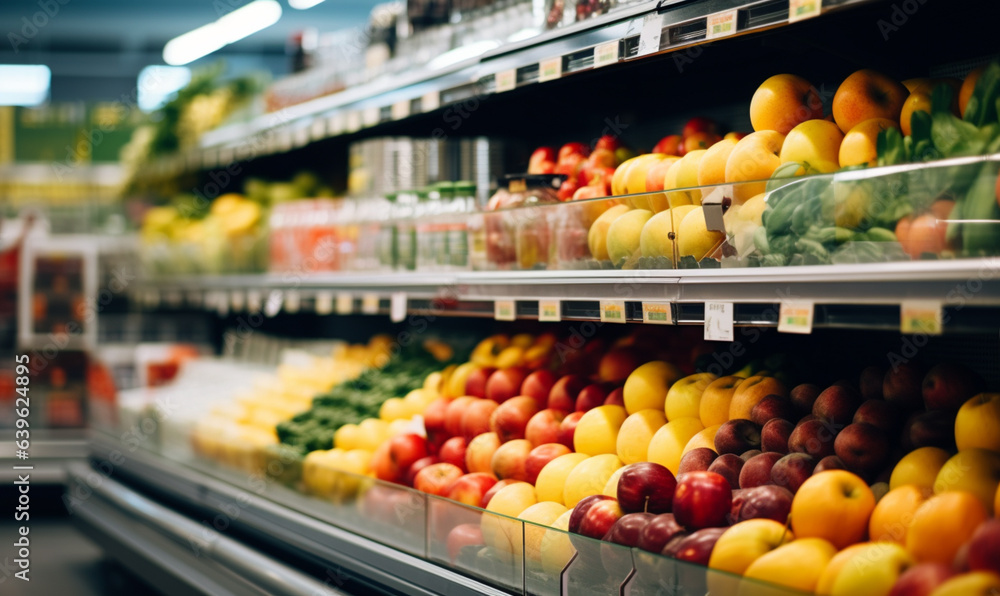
<point x="284" y="529"/>
<point x="598" y="42"/>
<point x="865" y="296"/>
<point x="171" y="552"/>
<point x="51" y="452"/>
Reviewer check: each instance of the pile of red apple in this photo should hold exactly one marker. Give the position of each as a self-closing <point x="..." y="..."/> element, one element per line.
<point x="588" y="171"/>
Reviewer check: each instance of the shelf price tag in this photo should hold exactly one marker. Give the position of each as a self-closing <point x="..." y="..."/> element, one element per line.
<point x="253" y="301"/>
<point x="300" y="138"/>
<point x="430" y="101"/>
<point x="353" y="121"/>
<point x="550" y="69"/>
<point x="370" y="116"/>
<point x="657" y="313"/>
<point x="293" y="301"/>
<point x="795" y="317"/>
<point x="719" y="321"/>
<point x="506" y="80"/>
<point x="317" y="130"/>
<point x="272" y="306"/>
<point x="505" y="310"/>
<point x="800" y="10"/>
<point x="397" y="307"/>
<point x="606" y="54"/>
<point x="649" y="37"/>
<point x="549" y="311"/>
<point x="324" y="303"/>
<point x="345" y="303"/>
<point x="335" y="124"/>
<point x="369" y="304"/>
<point x="401" y="109"/>
<point x="920" y="316"/>
<point x="721" y="24"/>
<point x="221" y="304"/>
<point x="237" y="300"/>
<point x="612" y="311"/>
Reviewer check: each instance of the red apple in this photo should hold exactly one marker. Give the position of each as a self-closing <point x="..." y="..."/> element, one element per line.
<point x="930" y="429"/>
<point x="647" y="487"/>
<point x="454" y="413"/>
<point x="792" y="470"/>
<point x="668" y="145"/>
<point x="436" y="479"/>
<point x="700" y="124"/>
<point x="462" y="536"/>
<point x="757" y="470"/>
<point x="582" y="508"/>
<point x="948" y="385"/>
<point x="616" y="365"/>
<point x="609" y="142"/>
<point x="590" y="397"/>
<point x="475" y="384"/>
<point x="541" y="455"/>
<point x="696" y="460"/>
<point x="921" y="579"/>
<point x="505" y="384"/>
<point x="837" y="404"/>
<point x="728" y="466"/>
<point x="736" y="136"/>
<point x="495" y="489"/>
<point x="602" y="158"/>
<point x="814" y="437"/>
<point x="510" y="419"/>
<point x="569" y="187"/>
<point x="540" y="156"/>
<point x="476" y="418"/>
<point x="863" y="448"/>
<point x="737" y="436"/>
<point x="510" y="459"/>
<point x="405" y="449"/>
<point x="870" y="383"/>
<point x="747" y="455"/>
<point x="615" y="398"/>
<point x="600" y="517"/>
<point x="539" y="384"/>
<point x="471" y="488"/>
<point x="984" y="547"/>
<point x="434" y="420"/>
<point x="452" y="451"/>
<point x="567" y="428"/>
<point x="564" y="392"/>
<point x="658" y="532"/>
<point x="544" y="427"/>
<point x="383" y="466"/>
<point x="410" y="475"/>
<point x="803" y="396"/>
<point x="696" y="547"/>
<point x="761" y="502"/>
<point x="628" y="529"/>
<point x="830" y="462"/>
<point x="573" y="148"/>
<point x="771" y="407"/>
<point x="902" y="386"/>
<point x="702" y="500"/>
<point x="774" y="436"/>
<point x="880" y="413"/>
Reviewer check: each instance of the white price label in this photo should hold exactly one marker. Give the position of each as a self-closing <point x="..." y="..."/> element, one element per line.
<point x="324" y="303"/>
<point x="549" y="311"/>
<point x="506" y="80"/>
<point x="800" y="10"/>
<point x="370" y="116"/>
<point x="397" y="307"/>
<point x="430" y="101"/>
<point x="795" y="317"/>
<point x="345" y="303"/>
<point x="613" y="311"/>
<point x="317" y="130"/>
<point x="401" y="109"/>
<point x="721" y="24"/>
<point x="649" y="37"/>
<point x="606" y="54"/>
<point x="335" y="124"/>
<point x="353" y="121"/>
<point x="272" y="306"/>
<point x="369" y="304"/>
<point x="550" y="69"/>
<point x="293" y="301"/>
<point x="222" y="304"/>
<point x="657" y="313"/>
<point x="719" y="321"/>
<point x="921" y="316"/>
<point x="505" y="310"/>
<point x="253" y="301"/>
<point x="301" y="137"/>
<point x="237" y="300"/>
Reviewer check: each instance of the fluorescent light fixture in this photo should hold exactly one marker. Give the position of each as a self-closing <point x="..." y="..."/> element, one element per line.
<point x="230" y="28"/>
<point x="24" y="84"/>
<point x="157" y="83"/>
<point x="303" y="4"/>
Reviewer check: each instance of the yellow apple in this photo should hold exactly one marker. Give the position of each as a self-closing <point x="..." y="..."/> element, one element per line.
<point x="860" y="142"/>
<point x="636" y="433"/>
<point x="624" y="233"/>
<point x="611" y="486"/>
<point x="657" y="235"/>
<point x="552" y="479"/>
<point x="674" y="198"/>
<point x="797" y="565"/>
<point x="716" y="399"/>
<point x="635" y="177"/>
<point x="556" y="548"/>
<point x="978" y="423"/>
<point x="589" y="478"/>
<point x="815" y="144"/>
<point x="656" y="175"/>
<point x="597" y="236"/>
<point x="894" y="513"/>
<point x="918" y="101"/>
<point x="738" y="547"/>
<point x="782" y="101"/>
<point x="867" y="94"/>
<point x="834" y="505"/>
<point x="684" y="396"/>
<point x="687" y="174"/>
<point x="693" y="237"/>
<point x="872" y="570"/>
<point x="538" y="517"/>
<point x="712" y="168"/>
<point x="974" y="583"/>
<point x="704" y="438"/>
<point x="976" y="471"/>
<point x="752" y="161"/>
<point x="836" y="565"/>
<point x="968" y="87"/>
<point x="919" y="467"/>
<point x="646" y="387"/>
<point x="498" y="531"/>
<point x="597" y="431"/>
<point x="668" y="443"/>
<point x="751" y="391"/>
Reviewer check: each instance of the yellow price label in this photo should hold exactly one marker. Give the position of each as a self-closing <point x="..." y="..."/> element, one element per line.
<point x="550" y="69"/>
<point x="795" y="317"/>
<point x="613" y="311"/>
<point x="920" y="316"/>
<point x="549" y="311"/>
<point x="657" y="313"/>
<point x="504" y="310"/>
<point x="800" y="10"/>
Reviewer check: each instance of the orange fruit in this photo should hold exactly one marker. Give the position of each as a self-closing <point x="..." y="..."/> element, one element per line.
<point x="943" y="524"/>
<point x="894" y="513"/>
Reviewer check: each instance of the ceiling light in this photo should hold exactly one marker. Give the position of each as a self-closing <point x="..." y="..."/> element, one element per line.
<point x="230" y="28"/>
<point x="303" y="4"/>
<point x="24" y="84"/>
<point x="157" y="83"/>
